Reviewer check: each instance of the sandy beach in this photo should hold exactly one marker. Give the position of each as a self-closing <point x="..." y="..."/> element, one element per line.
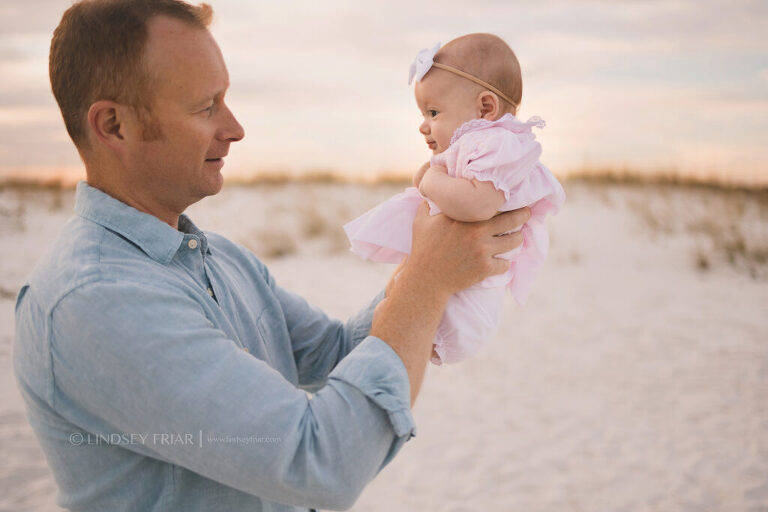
<point x="635" y="379"/>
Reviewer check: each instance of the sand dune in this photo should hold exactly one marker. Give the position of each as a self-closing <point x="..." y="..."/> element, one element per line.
<point x="636" y="378"/>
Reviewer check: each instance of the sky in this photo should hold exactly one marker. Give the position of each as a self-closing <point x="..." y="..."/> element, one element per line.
<point x="649" y="86"/>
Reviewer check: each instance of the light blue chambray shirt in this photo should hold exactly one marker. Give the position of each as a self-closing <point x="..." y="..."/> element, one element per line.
<point x="164" y="370"/>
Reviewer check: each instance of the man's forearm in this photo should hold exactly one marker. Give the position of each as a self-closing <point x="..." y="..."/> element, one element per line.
<point x="407" y="320"/>
<point x="446" y="256"/>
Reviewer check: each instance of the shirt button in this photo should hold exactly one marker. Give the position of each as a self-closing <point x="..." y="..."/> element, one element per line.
<point x="192" y="244"/>
<point x="245" y="349"/>
<point x="210" y="292"/>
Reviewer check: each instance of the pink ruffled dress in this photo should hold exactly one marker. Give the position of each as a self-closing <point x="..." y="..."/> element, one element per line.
<point x="506" y="153"/>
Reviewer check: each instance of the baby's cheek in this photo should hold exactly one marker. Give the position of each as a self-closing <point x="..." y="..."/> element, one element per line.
<point x="445" y="137"/>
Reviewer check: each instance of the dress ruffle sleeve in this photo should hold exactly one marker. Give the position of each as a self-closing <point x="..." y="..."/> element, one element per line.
<point x="511" y="162"/>
<point x="507" y="154"/>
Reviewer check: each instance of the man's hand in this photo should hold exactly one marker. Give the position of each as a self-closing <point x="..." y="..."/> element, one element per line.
<point x="446" y="256"/>
<point x="451" y="255"/>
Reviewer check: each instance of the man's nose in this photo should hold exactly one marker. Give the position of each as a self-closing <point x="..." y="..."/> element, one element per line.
<point x="232" y="131"/>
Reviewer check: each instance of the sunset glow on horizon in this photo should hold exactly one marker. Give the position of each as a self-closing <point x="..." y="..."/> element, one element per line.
<point x="660" y="86"/>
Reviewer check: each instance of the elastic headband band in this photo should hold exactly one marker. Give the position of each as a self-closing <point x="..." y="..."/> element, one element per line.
<point x="466" y="75"/>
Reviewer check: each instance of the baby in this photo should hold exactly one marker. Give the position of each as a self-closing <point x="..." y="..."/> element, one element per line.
<point x="484" y="160"/>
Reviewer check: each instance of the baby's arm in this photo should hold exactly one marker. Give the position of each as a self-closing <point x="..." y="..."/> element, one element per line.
<point x="460" y="199"/>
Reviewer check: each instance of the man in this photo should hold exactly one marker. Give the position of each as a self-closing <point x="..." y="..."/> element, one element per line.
<point x="162" y="367"/>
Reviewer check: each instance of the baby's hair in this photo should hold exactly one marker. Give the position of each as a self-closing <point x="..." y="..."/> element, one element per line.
<point x="490" y="59"/>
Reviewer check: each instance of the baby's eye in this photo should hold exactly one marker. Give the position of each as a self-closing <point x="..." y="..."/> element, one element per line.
<point x="432" y="113"/>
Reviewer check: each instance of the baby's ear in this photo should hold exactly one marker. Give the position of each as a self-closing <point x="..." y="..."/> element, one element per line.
<point x="488" y="105"/>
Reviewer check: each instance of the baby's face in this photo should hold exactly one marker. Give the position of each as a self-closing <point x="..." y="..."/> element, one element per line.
<point x="446" y="103"/>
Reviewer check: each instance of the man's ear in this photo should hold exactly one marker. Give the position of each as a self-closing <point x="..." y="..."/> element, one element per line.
<point x="488" y="105"/>
<point x="106" y="120"/>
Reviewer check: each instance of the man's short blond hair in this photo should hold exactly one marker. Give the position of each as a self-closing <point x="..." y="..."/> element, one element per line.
<point x="97" y="54"/>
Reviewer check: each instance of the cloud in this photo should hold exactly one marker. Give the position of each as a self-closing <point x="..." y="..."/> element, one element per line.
<point x="29" y="116"/>
<point x="37" y="146"/>
<point x="25" y="75"/>
<point x="323" y="84"/>
<point x="31" y="15"/>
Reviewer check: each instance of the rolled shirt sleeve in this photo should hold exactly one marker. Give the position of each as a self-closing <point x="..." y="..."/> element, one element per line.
<point x="134" y="359"/>
<point x="318" y="342"/>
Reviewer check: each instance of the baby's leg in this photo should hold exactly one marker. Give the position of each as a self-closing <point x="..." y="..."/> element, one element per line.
<point x="470" y="319"/>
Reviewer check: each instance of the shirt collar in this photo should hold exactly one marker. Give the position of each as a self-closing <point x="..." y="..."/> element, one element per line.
<point x="153" y="236"/>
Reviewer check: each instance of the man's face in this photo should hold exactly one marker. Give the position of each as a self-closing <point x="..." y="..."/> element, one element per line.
<point x="183" y="164"/>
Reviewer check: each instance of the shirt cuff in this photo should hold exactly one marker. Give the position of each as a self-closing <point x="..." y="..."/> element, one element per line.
<point x="377" y="371"/>
<point x="361" y="322"/>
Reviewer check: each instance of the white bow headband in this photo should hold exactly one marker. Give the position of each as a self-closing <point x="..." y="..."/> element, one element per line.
<point x="425" y="60"/>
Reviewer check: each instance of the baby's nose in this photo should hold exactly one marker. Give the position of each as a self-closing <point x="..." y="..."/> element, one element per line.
<point x="424" y="128"/>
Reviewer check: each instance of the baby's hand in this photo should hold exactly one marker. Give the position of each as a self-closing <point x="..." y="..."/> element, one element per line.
<point x="430" y="174"/>
<point x="420" y="174"/>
